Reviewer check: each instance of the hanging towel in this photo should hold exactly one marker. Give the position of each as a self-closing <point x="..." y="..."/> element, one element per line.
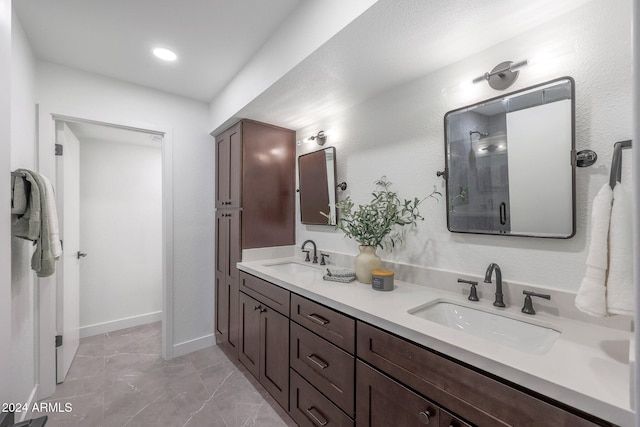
<point x="52" y="217"/>
<point x="591" y="297"/>
<point x="28" y="225"/>
<point x="18" y="195"/>
<point x="40" y="224"/>
<point x="620" y="295"/>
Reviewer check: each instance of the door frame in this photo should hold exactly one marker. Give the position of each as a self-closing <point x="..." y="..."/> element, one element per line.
<point x="45" y="295"/>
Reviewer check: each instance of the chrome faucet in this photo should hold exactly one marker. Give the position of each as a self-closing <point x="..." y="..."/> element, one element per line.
<point x="487" y="279"/>
<point x="315" y="255"/>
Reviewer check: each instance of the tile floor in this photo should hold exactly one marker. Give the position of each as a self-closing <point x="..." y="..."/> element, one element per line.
<point x="120" y="379"/>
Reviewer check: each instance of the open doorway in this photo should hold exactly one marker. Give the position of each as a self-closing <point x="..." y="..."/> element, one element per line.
<point x="109" y="181"/>
<point x="132" y="263"/>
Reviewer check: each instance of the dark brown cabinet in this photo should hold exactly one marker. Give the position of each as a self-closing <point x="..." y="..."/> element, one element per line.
<point x="385" y="402"/>
<point x="255" y="202"/>
<point x="469" y="393"/>
<point x="229" y="167"/>
<point x="226" y="276"/>
<point x="264" y="344"/>
<point x="302" y="352"/>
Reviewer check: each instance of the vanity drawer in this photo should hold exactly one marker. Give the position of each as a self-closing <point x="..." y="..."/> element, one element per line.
<point x="326" y="322"/>
<point x="267" y="293"/>
<point x="330" y="369"/>
<point x="449" y="420"/>
<point x="308" y="407"/>
<point x="465" y="391"/>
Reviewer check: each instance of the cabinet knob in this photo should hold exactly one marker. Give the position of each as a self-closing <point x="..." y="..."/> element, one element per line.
<point x="258" y="307"/>
<point x="424" y="416"/>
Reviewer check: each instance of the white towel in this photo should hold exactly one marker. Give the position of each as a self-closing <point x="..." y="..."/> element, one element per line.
<point x="591" y="297"/>
<point x="54" y="230"/>
<point x="620" y="295"/>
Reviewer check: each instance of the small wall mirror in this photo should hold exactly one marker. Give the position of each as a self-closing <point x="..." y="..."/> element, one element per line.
<point x="510" y="163"/>
<point x="317" y="180"/>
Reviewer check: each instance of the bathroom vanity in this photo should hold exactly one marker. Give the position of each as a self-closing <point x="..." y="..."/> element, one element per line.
<point x="361" y="357"/>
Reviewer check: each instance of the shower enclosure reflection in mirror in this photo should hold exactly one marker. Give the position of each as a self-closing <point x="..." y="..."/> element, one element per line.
<point x="510" y="163"/>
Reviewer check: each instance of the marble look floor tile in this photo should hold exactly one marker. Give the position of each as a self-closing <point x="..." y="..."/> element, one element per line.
<point x="91" y="346"/>
<point x="74" y="387"/>
<point x="207" y="415"/>
<point x="207" y="357"/>
<point x="77" y="411"/>
<point x="86" y="366"/>
<point x="120" y="379"/>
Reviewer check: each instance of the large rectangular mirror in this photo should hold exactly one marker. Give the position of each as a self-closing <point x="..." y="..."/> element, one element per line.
<point x="510" y="163"/>
<point x="317" y="179"/>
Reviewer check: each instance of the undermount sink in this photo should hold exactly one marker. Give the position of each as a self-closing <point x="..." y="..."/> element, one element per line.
<point x="514" y="333"/>
<point x="292" y="267"/>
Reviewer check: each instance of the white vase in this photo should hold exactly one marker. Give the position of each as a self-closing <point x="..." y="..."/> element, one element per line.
<point x="366" y="261"/>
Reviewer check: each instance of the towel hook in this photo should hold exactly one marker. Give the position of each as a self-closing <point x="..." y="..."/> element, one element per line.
<point x="616" y="162"/>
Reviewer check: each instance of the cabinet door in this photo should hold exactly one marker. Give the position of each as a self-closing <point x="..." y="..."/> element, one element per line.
<point x="222" y="242"/>
<point x="234" y="321"/>
<point x="249" y="333"/>
<point x="274" y="355"/>
<point x="384" y="402"/>
<point x="229" y="167"/>
<point x="227" y="275"/>
<point x="222" y="309"/>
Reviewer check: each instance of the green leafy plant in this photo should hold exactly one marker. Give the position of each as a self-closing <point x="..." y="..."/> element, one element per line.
<point x="462" y="196"/>
<point x="379" y="223"/>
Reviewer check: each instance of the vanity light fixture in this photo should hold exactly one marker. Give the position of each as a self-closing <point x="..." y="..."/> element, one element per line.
<point x="502" y="75"/>
<point x="320" y="137"/>
<point x="165" y="54"/>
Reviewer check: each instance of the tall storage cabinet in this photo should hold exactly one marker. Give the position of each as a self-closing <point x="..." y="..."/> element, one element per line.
<point x="255" y="207"/>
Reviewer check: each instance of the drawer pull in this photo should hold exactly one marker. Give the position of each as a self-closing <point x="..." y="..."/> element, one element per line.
<point x="319" y="418"/>
<point x="425" y="416"/>
<point x="317" y="318"/>
<point x="318" y="361"/>
<point x="257" y="307"/>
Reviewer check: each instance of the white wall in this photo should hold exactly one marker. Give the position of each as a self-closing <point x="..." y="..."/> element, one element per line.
<point x="22" y="279"/>
<point x="121" y="231"/>
<point x="193" y="190"/>
<point x="400" y="134"/>
<point x="6" y="393"/>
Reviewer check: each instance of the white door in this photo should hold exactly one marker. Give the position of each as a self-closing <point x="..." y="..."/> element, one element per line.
<point x="68" y="276"/>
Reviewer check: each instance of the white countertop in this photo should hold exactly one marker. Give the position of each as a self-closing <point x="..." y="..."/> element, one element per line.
<point x="587" y="367"/>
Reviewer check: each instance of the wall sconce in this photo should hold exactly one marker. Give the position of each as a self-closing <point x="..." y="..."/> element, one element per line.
<point x="503" y="75"/>
<point x="320" y="137"/>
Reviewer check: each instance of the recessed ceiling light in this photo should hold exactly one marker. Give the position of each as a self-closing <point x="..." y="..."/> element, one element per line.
<point x="165" y="54"/>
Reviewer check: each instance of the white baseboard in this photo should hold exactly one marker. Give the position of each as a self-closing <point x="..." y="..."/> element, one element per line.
<point x="115" y="325"/>
<point x="190" y="346"/>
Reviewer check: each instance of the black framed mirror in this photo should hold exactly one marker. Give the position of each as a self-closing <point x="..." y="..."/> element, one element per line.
<point x="317" y="181"/>
<point x="510" y="163"/>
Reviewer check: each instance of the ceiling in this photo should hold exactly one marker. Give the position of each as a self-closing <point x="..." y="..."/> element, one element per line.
<point x="389" y="44"/>
<point x="214" y="39"/>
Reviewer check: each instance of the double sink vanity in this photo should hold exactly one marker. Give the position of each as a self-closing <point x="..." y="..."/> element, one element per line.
<point x="422" y="354"/>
